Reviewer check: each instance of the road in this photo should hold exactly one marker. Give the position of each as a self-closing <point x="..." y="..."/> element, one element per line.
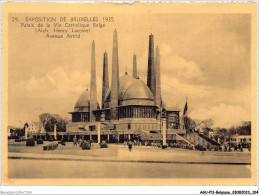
<point x="92" y="169"/>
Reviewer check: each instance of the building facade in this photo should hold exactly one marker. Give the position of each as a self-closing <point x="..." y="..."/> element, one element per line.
<point x="130" y="107"/>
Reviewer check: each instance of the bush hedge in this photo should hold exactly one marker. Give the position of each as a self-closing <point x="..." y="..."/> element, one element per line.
<point x="30" y="142"/>
<point x="40" y="141"/>
<point x="86" y="145"/>
<point x="104" y="145"/>
<point x="51" y="146"/>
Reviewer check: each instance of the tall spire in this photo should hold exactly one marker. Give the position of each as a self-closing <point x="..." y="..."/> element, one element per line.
<point x="93" y="89"/>
<point x="105" y="77"/>
<point x="158" y="79"/>
<point x="151" y="76"/>
<point x="134" y="74"/>
<point x="115" y="78"/>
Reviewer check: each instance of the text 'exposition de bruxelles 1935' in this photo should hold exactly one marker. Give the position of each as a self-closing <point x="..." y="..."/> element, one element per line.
<point x="60" y="25"/>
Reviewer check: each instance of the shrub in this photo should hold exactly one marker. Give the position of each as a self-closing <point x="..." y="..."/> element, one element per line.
<point x="80" y="143"/>
<point x="40" y="141"/>
<point x="103" y="145"/>
<point x="85" y="145"/>
<point x="30" y="142"/>
<point x="51" y="146"/>
<point x="50" y="139"/>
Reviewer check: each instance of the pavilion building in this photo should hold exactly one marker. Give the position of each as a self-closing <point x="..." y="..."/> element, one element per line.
<point x="130" y="107"/>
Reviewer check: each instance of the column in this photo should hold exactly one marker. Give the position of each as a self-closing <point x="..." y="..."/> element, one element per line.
<point x="108" y="138"/>
<point x="164" y="131"/>
<point x="99" y="132"/>
<point x="55" y="132"/>
<point x="129" y="137"/>
<point x="26" y="132"/>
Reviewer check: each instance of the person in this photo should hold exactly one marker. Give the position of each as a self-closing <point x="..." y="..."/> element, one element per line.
<point x="130" y="146"/>
<point x="75" y="141"/>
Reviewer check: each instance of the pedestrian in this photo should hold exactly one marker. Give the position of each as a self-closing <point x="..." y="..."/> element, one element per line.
<point x="75" y="141"/>
<point x="130" y="146"/>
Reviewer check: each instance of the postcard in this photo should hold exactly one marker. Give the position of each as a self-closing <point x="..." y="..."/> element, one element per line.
<point x="129" y="93"/>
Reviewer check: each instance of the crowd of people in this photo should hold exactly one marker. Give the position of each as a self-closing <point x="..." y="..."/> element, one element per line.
<point x="180" y="145"/>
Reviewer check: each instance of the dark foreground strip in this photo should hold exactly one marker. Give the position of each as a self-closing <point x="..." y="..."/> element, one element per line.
<point x="133" y="161"/>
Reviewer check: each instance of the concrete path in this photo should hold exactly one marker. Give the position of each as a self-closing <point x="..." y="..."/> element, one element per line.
<point x="140" y="154"/>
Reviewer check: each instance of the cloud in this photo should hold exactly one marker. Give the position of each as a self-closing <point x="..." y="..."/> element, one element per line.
<point x="223" y="115"/>
<point x="59" y="84"/>
<point x="178" y="67"/>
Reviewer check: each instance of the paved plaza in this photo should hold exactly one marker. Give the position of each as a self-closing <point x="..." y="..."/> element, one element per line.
<point x="142" y="161"/>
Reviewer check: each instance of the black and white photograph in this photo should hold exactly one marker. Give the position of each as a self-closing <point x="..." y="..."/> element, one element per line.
<point x="129" y="92"/>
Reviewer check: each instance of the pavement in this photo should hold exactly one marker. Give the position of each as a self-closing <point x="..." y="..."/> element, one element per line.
<point x="139" y="154"/>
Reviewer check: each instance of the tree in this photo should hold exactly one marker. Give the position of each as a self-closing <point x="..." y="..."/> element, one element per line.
<point x="207" y="126"/>
<point x="44" y="118"/>
<point x="188" y="123"/>
<point x="49" y="120"/>
<point x="208" y="123"/>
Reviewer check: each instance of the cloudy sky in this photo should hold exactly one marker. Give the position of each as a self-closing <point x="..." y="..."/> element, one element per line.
<point x="204" y="57"/>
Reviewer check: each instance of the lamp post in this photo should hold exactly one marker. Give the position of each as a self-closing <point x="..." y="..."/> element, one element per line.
<point x="163" y="117"/>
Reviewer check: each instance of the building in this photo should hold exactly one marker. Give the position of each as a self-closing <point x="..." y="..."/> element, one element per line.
<point x="33" y="128"/>
<point x="239" y="139"/>
<point x="130" y="107"/>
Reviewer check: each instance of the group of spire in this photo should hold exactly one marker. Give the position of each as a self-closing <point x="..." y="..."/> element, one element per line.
<point x="153" y="76"/>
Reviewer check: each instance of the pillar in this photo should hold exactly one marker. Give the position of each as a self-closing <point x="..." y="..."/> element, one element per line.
<point x="26" y="132"/>
<point x="55" y="132"/>
<point x="129" y="137"/>
<point x="93" y="88"/>
<point x="90" y="137"/>
<point x="99" y="132"/>
<point x="115" y="78"/>
<point x="108" y="138"/>
<point x="164" y="131"/>
<point x="151" y="77"/>
<point x="9" y="131"/>
<point x="105" y="77"/>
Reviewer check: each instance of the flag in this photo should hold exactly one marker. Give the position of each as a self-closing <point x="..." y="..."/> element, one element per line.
<point x="185" y="109"/>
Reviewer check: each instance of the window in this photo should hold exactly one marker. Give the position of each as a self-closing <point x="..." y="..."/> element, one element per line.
<point x="92" y="128"/>
<point x="129" y="126"/>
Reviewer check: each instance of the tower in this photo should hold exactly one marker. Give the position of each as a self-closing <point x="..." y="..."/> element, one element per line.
<point x="115" y="78"/>
<point x="158" y="79"/>
<point x="105" y="77"/>
<point x="151" y="74"/>
<point x="134" y="73"/>
<point x="93" y="89"/>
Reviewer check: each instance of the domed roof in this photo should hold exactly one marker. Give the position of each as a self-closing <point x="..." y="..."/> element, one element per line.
<point x="83" y="100"/>
<point x="132" y="90"/>
<point x="138" y="90"/>
<point x="125" y="82"/>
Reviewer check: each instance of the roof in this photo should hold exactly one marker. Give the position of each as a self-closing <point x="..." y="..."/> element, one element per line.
<point x="172" y="109"/>
<point x="83" y="100"/>
<point x="132" y="91"/>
